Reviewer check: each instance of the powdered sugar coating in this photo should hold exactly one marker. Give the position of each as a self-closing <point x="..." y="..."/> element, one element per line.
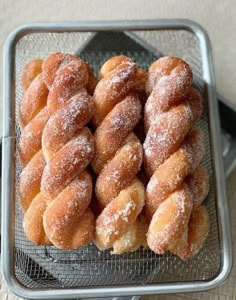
<point x="30" y="178"/>
<point x="118" y="154"/>
<point x="112" y="88"/>
<point x="65" y="122"/>
<point x="134" y="238"/>
<point x="34" y="99"/>
<point x="198" y="230"/>
<point x="30" y="71"/>
<point x="120" y="171"/>
<point x="68" y="82"/>
<point x="30" y="140"/>
<point x="167" y="133"/>
<point x="33" y="116"/>
<point x="53" y="64"/>
<point x="198" y="183"/>
<point x="170" y="219"/>
<point x="69" y="161"/>
<point x="68" y="147"/>
<point x="33" y="221"/>
<point x="172" y="151"/>
<point x="169" y="81"/>
<point x="171" y="174"/>
<point x="127" y="241"/>
<point x="65" y="212"/>
<point x="119" y="214"/>
<point x="112" y="132"/>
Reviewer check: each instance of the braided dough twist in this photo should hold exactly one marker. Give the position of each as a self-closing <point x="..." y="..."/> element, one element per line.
<point x="30" y="71"/>
<point x="118" y="156"/>
<point x="173" y="150"/>
<point x="33" y="115"/>
<point x="68" y="147"/>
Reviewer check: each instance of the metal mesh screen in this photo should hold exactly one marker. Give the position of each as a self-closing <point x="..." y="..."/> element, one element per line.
<point x="40" y="267"/>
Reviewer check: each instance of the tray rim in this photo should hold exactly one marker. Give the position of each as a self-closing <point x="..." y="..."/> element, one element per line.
<point x="8" y="170"/>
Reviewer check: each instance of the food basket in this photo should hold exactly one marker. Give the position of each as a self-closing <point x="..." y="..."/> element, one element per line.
<point x="48" y="273"/>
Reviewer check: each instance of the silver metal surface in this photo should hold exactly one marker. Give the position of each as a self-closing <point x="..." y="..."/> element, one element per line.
<point x="116" y="298"/>
<point x="47" y="273"/>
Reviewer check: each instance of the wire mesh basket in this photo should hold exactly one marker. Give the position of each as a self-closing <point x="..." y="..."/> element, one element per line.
<point x="48" y="273"/>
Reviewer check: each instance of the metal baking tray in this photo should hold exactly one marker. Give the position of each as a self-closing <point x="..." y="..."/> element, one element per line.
<point x="47" y="273"/>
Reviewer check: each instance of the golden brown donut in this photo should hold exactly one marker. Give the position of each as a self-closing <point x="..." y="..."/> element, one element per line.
<point x="68" y="147"/>
<point x="34" y="100"/>
<point x="30" y="71"/>
<point x="118" y="123"/>
<point x="118" y="156"/>
<point x="170" y="175"/>
<point x="117" y="79"/>
<point x="31" y="135"/>
<point x="173" y="149"/>
<point x="141" y="79"/>
<point x="195" y="235"/>
<point x="33" y="115"/>
<point x="32" y="224"/>
<point x="169" y="220"/>
<point x="66" y="122"/>
<point x="169" y="130"/>
<point x="119" y="214"/>
<point x="30" y="180"/>
<point x="67" y="219"/>
<point x="197" y="229"/>
<point x="198" y="183"/>
<point x="169" y="80"/>
<point x="58" y="60"/>
<point x="134" y="238"/>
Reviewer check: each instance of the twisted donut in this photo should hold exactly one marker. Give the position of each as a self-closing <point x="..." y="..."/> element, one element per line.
<point x="68" y="148"/>
<point x="173" y="150"/>
<point x="33" y="116"/>
<point x="30" y="71"/>
<point x="196" y="231"/>
<point x="33" y="113"/>
<point x="169" y="176"/>
<point x="134" y="238"/>
<point x="118" y="156"/>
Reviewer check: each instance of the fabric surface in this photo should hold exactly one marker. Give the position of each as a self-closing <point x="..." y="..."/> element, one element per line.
<point x="217" y="17"/>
